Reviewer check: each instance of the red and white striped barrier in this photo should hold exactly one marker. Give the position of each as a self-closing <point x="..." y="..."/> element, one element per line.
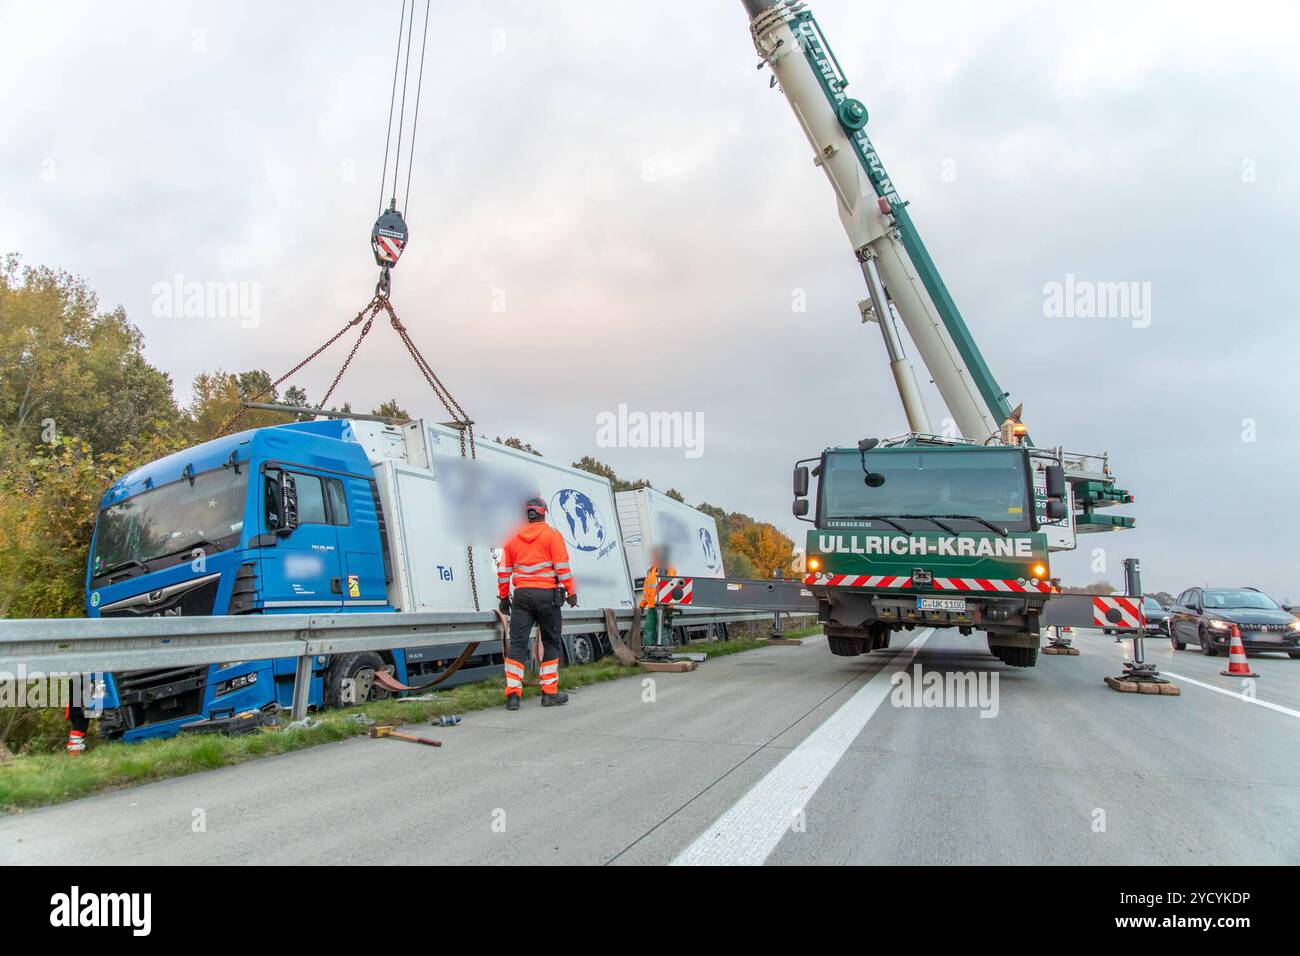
<point x="1003" y="585"/>
<point x="675" y="591"/>
<point x="1129" y="608"/>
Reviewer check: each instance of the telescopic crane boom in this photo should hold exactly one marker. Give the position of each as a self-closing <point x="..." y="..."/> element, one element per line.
<point x="894" y="262"/>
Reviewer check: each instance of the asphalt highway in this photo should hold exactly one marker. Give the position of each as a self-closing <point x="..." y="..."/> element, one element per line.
<point x="784" y="755"/>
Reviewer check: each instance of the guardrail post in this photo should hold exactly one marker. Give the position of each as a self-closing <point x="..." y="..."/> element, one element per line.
<point x="302" y="685"/>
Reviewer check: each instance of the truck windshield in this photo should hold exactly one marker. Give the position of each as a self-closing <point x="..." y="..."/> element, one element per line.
<point x="172" y="519"/>
<point x="984" y="483"/>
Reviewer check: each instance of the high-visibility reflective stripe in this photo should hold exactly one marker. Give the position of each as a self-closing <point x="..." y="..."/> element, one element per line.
<point x="534" y="580"/>
<point x="561" y="564"/>
<point x="514" y="677"/>
<point x="506" y="570"/>
<point x="550" y="667"/>
<point x="532" y="568"/>
<point x="566" y="576"/>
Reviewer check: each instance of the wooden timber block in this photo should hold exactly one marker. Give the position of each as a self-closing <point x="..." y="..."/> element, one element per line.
<point x="1070" y="651"/>
<point x="785" y="641"/>
<point x="1142" y="687"/>
<point x="669" y="667"/>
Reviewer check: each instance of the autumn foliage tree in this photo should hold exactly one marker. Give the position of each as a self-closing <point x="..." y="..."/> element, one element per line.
<point x="767" y="549"/>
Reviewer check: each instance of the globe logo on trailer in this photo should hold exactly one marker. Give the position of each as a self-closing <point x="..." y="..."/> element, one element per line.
<point x="709" y="548"/>
<point x="578" y="520"/>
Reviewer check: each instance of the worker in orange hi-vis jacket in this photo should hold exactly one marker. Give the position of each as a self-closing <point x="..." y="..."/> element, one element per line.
<point x="536" y="561"/>
<point x="650" y="631"/>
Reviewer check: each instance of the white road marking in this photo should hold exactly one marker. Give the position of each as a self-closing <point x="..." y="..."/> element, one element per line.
<point x="1232" y="693"/>
<point x="748" y="833"/>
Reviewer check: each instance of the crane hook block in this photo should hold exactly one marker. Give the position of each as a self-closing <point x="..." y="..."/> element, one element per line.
<point x="388" y="238"/>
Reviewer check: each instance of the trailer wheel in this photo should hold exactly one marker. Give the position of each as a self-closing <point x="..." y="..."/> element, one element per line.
<point x="350" y="679"/>
<point x="848" y="646"/>
<point x="583" y="653"/>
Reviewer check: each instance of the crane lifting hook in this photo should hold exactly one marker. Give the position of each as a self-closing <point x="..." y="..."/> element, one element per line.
<point x="388" y="239"/>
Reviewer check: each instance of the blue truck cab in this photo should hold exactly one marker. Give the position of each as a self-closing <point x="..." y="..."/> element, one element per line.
<point x="283" y="519"/>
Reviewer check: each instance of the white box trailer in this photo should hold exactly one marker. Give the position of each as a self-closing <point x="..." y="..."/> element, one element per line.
<point x="438" y="505"/>
<point x="649" y="520"/>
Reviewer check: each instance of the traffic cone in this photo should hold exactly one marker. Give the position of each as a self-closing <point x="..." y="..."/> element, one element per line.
<point x="1238" y="666"/>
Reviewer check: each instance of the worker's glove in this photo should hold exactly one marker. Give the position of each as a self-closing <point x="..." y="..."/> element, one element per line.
<point x="504" y="606"/>
<point x="571" y="600"/>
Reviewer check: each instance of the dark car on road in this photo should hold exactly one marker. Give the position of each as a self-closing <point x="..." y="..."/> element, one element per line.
<point x="1155" y="616"/>
<point x="1204" y="616"/>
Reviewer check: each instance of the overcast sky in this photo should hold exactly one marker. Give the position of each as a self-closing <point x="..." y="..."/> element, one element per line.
<point x="622" y="178"/>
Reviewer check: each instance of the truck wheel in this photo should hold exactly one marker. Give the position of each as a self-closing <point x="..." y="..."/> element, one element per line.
<point x="880" y="635"/>
<point x="582" y="650"/>
<point x="848" y="646"/>
<point x="1019" y="656"/>
<point x="350" y="679"/>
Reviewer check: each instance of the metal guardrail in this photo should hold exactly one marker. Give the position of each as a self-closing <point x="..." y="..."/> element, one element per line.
<point x="116" y="645"/>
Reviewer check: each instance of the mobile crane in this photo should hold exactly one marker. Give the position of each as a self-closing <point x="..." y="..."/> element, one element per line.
<point x="921" y="529"/>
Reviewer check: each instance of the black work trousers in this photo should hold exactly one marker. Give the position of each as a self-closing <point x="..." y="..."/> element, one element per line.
<point x="530" y="607"/>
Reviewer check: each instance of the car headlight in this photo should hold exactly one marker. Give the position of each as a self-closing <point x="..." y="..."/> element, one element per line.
<point x="1295" y="625"/>
<point x="1220" y="625"/>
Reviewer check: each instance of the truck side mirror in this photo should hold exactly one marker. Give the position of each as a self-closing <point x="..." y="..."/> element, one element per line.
<point x="288" y="504"/>
<point x="1054" y="476"/>
<point x="801" y="482"/>
<point x="800" y="507"/>
<point x="1054" y="510"/>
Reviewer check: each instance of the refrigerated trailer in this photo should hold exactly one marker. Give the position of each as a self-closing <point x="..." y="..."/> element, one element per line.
<point x="652" y="522"/>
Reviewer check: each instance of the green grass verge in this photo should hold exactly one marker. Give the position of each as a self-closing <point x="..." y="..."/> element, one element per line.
<point x="39" y="779"/>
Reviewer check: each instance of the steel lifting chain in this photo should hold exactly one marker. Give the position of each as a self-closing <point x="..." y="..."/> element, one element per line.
<point x="361" y="317"/>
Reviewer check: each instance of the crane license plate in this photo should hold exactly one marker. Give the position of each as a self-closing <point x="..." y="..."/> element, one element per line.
<point x="941" y="604"/>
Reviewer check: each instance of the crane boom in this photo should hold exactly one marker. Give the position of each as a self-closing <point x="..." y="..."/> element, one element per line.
<point x="883" y="236"/>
